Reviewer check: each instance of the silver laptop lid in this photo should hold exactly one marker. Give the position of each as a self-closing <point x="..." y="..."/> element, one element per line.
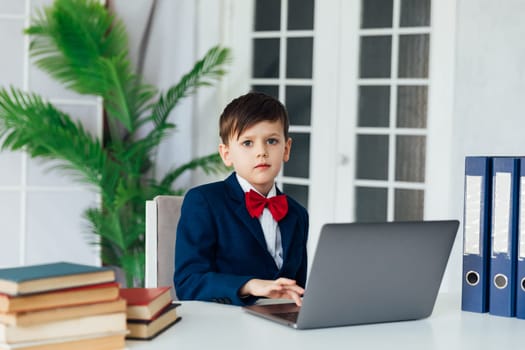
<point x="376" y="272"/>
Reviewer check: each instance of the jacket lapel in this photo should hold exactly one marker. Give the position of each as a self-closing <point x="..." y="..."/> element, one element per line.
<point x="286" y="225"/>
<point x="237" y="195"/>
<point x="287" y="228"/>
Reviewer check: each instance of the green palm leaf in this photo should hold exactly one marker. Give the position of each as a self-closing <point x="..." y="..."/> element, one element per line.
<point x="85" y="47"/>
<point x="210" y="164"/>
<point x="204" y="73"/>
<point x="45" y="132"/>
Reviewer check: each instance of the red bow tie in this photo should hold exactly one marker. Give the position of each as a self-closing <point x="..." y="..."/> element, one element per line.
<point x="255" y="204"/>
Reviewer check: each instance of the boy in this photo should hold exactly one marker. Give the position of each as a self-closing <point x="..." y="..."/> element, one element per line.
<point x="241" y="239"/>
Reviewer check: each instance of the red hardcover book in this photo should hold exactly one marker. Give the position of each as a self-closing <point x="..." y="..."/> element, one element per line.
<point x="145" y="303"/>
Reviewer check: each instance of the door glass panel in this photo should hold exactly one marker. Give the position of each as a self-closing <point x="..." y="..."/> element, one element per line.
<point x="374" y="61"/>
<point x="410" y="158"/>
<point x="265" y="58"/>
<point x="377" y="14"/>
<point x="267" y="15"/>
<point x="372" y="157"/>
<point x="412" y="104"/>
<point x="408" y="204"/>
<point x="295" y="50"/>
<point x="299" y="163"/>
<point x="271" y="90"/>
<point x="300" y="14"/>
<point x="299" y="104"/>
<point x="299" y="58"/>
<point x="413" y="56"/>
<point x="374" y="106"/>
<point x="297" y="192"/>
<point x="397" y="150"/>
<point x="372" y="204"/>
<point x="415" y="13"/>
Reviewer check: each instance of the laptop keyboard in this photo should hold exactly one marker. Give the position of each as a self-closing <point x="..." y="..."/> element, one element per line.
<point x="289" y="316"/>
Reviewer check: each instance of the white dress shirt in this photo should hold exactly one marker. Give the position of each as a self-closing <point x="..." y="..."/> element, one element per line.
<point x="270" y="227"/>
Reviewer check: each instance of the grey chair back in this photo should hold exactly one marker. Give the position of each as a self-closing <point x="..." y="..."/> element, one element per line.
<point x="162" y="218"/>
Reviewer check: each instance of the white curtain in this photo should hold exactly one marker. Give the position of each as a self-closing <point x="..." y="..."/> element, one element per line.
<point x="170" y="52"/>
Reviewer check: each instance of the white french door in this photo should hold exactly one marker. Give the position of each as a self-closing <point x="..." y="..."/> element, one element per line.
<point x="382" y="111"/>
<point x="376" y="142"/>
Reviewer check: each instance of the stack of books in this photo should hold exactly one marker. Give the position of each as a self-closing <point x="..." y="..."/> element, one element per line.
<point x="61" y="306"/>
<point x="149" y="312"/>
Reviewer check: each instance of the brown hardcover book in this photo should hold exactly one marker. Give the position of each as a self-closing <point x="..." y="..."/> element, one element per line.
<point x="45" y="277"/>
<point x="103" y="341"/>
<point x="145" y="303"/>
<point x="29" y="318"/>
<point x="61" y="298"/>
<point x="147" y="330"/>
<point x="78" y="327"/>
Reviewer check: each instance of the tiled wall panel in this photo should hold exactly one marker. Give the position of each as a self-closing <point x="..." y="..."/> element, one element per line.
<point x="40" y="210"/>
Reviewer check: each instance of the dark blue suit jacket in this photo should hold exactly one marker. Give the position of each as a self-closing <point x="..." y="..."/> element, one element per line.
<point x="220" y="247"/>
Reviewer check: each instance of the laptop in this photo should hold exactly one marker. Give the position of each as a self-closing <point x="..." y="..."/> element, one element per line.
<point x="370" y="273"/>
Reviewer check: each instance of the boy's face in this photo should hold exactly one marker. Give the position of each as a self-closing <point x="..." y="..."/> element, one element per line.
<point x="258" y="153"/>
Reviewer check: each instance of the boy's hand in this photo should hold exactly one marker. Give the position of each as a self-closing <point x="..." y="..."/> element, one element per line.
<point x="280" y="288"/>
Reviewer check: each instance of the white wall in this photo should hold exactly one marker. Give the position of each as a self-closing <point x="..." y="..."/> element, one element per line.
<point x="169" y="55"/>
<point x="489" y="112"/>
<point x="40" y="210"/>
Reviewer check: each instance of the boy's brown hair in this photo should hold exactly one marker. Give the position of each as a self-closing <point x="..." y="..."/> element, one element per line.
<point x="248" y="110"/>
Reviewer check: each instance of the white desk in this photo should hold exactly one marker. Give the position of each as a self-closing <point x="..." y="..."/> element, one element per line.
<point x="215" y="326"/>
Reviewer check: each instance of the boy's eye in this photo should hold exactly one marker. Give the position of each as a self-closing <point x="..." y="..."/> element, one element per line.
<point x="247" y="143"/>
<point x="273" y="141"/>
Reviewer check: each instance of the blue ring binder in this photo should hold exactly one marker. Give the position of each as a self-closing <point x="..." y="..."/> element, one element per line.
<point x="476" y="234"/>
<point x="504" y="233"/>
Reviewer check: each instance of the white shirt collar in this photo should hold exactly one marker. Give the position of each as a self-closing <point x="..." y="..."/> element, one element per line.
<point x="246" y="187"/>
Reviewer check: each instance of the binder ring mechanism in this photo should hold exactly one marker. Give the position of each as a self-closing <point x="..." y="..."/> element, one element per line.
<point x="472" y="278"/>
<point x="500" y="281"/>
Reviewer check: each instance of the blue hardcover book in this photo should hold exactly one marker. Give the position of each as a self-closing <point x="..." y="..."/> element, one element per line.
<point x="520" y="268"/>
<point x="505" y="189"/>
<point x="53" y="276"/>
<point x="476" y="234"/>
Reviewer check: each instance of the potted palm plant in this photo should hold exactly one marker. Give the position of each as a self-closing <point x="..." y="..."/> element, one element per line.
<point x="82" y="45"/>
